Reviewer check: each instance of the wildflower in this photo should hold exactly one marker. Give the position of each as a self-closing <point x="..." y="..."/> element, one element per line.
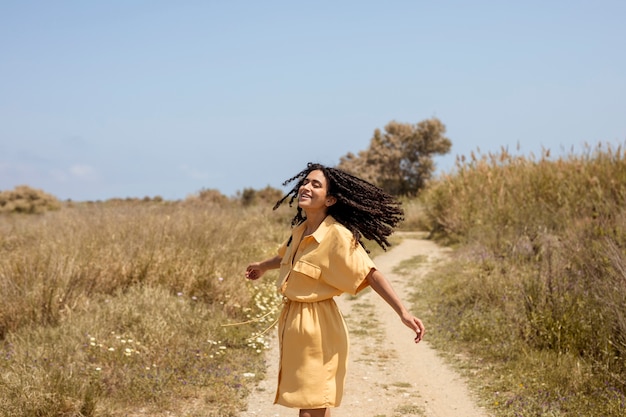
<point x="248" y="375"/>
<point x="111" y="349"/>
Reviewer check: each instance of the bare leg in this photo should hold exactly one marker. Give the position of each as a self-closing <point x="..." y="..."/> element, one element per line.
<point x="316" y="412"/>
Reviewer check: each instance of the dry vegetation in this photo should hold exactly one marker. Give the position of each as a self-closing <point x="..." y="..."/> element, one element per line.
<point x="117" y="309"/>
<point x="537" y="292"/>
<point x="24" y="199"/>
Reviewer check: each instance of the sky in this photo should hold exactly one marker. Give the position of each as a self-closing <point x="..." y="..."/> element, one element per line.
<point x="134" y="98"/>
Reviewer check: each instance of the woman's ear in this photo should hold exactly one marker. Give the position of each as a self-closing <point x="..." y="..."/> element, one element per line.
<point x="330" y="200"/>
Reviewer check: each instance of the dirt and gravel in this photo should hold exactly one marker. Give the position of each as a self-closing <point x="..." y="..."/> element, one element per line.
<point x="388" y="375"/>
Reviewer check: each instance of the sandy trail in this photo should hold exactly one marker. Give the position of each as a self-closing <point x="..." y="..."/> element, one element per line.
<point x="388" y="375"/>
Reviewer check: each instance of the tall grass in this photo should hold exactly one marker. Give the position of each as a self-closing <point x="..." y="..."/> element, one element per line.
<point x="111" y="309"/>
<point x="539" y="276"/>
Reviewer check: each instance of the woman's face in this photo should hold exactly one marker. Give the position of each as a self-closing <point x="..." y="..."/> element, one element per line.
<point x="313" y="193"/>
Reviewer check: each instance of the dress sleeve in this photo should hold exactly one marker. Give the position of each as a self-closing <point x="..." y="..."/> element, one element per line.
<point x="283" y="248"/>
<point x="348" y="264"/>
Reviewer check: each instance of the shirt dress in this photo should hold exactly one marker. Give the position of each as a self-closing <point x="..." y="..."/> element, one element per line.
<point x="312" y="333"/>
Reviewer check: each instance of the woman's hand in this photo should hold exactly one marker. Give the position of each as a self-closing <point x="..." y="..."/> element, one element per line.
<point x="414" y="324"/>
<point x="254" y="271"/>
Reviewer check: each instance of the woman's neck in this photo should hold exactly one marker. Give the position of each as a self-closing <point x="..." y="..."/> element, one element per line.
<point x="313" y="221"/>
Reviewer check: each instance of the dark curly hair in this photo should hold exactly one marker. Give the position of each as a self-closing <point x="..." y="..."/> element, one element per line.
<point x="366" y="210"/>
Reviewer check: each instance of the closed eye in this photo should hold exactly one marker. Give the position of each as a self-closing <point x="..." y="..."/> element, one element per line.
<point x="315" y="183"/>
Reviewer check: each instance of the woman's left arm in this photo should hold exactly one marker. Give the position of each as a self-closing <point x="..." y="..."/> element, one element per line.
<point x="381" y="285"/>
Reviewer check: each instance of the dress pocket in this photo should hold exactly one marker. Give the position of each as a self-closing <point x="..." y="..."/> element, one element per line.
<point x="308" y="269"/>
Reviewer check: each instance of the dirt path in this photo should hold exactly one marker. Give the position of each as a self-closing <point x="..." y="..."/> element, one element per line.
<point x="388" y="375"/>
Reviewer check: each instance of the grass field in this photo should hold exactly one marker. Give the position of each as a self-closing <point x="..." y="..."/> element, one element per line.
<point x="137" y="308"/>
<point x="109" y="309"/>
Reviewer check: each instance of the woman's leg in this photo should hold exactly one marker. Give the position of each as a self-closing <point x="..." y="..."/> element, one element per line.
<point x="316" y="412"/>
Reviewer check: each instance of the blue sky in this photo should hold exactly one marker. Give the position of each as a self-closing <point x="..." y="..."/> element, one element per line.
<point x="103" y="99"/>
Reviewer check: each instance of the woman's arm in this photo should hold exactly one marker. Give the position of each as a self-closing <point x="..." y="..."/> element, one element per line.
<point x="256" y="269"/>
<point x="381" y="285"/>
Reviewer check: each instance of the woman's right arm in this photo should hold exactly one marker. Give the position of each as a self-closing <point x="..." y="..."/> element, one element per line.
<point x="256" y="269"/>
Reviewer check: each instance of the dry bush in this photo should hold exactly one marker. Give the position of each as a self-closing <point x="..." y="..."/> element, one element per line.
<point x="208" y="195"/>
<point x="24" y="199"/>
<point x="414" y="218"/>
<point x="266" y="196"/>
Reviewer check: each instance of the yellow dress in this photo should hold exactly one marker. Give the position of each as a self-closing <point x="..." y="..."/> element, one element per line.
<point x="312" y="333"/>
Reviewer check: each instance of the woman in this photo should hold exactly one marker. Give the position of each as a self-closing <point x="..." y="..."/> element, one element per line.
<point x="324" y="257"/>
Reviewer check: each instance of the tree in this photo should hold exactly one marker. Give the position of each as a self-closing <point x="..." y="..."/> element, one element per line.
<point x="400" y="159"/>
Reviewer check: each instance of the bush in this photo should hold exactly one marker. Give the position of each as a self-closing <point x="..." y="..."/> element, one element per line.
<point x="507" y="196"/>
<point x="266" y="196"/>
<point x="24" y="199"/>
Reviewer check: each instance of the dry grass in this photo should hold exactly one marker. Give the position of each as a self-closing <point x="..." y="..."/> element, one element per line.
<point x="110" y="309"/>
<point x="117" y="309"/>
<point x="537" y="290"/>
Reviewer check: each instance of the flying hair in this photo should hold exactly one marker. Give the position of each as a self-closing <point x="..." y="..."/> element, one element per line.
<point x="363" y="208"/>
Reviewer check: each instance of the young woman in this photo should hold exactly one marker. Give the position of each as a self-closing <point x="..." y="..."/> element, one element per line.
<point x="324" y="257"/>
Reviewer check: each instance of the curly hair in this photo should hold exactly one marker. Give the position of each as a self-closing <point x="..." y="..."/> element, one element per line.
<point x="363" y="208"/>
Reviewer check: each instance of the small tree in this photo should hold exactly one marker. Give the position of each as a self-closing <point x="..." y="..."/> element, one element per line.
<point x="400" y="159"/>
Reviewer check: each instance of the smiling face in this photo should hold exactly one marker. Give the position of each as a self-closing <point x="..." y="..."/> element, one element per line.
<point x="313" y="193"/>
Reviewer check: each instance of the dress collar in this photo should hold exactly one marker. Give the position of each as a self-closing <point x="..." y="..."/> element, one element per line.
<point x="319" y="233"/>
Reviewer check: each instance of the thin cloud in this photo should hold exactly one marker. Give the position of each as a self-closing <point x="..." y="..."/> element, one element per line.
<point x="83" y="172"/>
<point x="194" y="173"/>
